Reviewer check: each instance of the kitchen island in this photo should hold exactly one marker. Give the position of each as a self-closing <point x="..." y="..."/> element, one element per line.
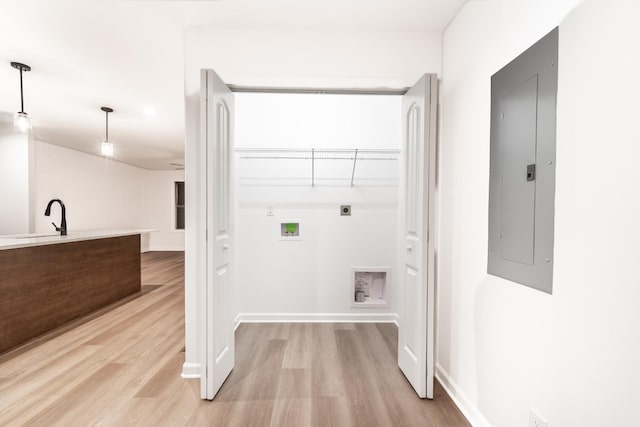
<point x="49" y="280"/>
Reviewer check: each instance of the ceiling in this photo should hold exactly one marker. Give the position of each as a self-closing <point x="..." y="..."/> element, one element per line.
<point x="128" y="55"/>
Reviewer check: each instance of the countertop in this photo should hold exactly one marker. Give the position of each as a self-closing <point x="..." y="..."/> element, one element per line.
<point x="40" y="239"/>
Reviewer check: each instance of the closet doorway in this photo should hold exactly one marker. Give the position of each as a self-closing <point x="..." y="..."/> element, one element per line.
<point x="291" y="194"/>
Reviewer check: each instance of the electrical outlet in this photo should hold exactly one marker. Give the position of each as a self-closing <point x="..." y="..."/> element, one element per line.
<point x="537" y="420"/>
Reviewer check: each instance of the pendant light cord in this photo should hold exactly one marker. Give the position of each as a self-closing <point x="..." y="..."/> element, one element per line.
<point x="106" y="110"/>
<point x="21" y="96"/>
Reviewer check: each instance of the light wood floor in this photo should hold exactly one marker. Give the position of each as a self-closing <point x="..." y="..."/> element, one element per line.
<point x="123" y="367"/>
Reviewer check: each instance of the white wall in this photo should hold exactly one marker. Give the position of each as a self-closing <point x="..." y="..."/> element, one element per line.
<point x="283" y="58"/>
<point x="313" y="275"/>
<point x="98" y="193"/>
<point x="101" y="193"/>
<point x="297" y="58"/>
<point x="159" y="209"/>
<point x="504" y="347"/>
<point x="16" y="160"/>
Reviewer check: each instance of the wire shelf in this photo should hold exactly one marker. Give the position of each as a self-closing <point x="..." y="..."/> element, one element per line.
<point x="313" y="154"/>
<point x="318" y="153"/>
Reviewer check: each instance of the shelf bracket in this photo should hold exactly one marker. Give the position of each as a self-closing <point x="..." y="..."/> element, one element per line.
<point x="313" y="165"/>
<point x="355" y="159"/>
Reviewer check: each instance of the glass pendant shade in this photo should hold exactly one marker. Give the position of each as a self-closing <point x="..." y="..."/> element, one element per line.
<point x="22" y="122"/>
<point x="107" y="149"/>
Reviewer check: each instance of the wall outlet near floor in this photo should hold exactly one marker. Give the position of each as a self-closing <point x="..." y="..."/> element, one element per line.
<point x="537" y="420"/>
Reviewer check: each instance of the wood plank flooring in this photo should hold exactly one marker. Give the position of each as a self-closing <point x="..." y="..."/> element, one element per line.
<point x="123" y="368"/>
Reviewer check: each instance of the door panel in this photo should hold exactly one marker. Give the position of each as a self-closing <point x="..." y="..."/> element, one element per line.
<point x="518" y="127"/>
<point x="412" y="301"/>
<point x="416" y="331"/>
<point x="218" y="334"/>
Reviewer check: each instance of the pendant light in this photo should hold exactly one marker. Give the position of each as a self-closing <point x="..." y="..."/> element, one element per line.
<point x="21" y="120"/>
<point x="107" y="146"/>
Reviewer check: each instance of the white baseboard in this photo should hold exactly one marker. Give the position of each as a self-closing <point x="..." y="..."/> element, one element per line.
<point x="316" y="318"/>
<point x="466" y="406"/>
<point x="190" y="370"/>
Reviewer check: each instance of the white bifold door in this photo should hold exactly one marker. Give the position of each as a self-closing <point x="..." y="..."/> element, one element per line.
<point x="216" y="106"/>
<point x="416" y="310"/>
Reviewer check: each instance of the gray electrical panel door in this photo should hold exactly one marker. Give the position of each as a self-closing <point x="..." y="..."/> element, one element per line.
<point x="522" y="170"/>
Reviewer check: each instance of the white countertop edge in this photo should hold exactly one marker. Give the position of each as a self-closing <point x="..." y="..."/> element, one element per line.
<point x="24" y="240"/>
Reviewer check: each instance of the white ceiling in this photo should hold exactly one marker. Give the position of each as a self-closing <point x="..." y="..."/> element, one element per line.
<point x="128" y="55"/>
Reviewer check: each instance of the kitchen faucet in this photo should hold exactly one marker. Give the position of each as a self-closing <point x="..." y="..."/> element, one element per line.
<point x="63" y="227"/>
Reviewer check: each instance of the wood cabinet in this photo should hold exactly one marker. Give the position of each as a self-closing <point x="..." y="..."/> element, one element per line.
<point x="44" y="287"/>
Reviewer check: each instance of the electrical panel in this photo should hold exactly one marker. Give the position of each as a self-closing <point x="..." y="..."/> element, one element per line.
<point x="522" y="169"/>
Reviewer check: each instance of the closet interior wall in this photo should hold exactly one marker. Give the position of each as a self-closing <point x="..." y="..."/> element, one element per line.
<point x="309" y="278"/>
